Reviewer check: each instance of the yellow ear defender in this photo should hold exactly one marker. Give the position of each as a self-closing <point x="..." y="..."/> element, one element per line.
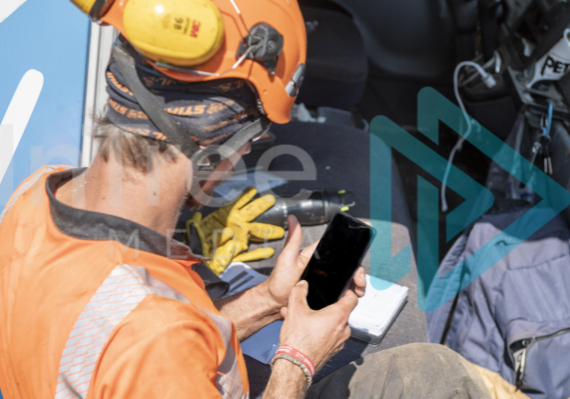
<point x="177" y="32"/>
<point x="203" y="40"/>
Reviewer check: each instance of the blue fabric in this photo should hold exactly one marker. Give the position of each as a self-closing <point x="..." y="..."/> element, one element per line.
<point x="34" y="37"/>
<point x="524" y="295"/>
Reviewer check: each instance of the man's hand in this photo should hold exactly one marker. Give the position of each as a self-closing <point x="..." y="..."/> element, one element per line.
<point x="291" y="264"/>
<point x="317" y="334"/>
<point x="259" y="306"/>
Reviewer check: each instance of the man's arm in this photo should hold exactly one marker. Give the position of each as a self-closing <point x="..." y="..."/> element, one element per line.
<point x="255" y="308"/>
<point x="287" y="381"/>
<point x="250" y="310"/>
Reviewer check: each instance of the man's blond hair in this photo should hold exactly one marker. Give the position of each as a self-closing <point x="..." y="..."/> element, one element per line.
<point x="134" y="150"/>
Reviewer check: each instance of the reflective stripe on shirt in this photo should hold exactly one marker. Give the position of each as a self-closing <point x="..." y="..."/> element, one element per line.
<point x="117" y="296"/>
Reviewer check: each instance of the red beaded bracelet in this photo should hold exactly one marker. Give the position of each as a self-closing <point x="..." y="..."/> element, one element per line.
<point x="296" y="357"/>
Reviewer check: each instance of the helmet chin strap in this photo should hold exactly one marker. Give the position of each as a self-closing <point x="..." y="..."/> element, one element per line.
<point x="204" y="161"/>
<point x="98" y="8"/>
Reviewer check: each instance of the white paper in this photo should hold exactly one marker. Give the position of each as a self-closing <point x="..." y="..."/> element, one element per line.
<point x="377" y="308"/>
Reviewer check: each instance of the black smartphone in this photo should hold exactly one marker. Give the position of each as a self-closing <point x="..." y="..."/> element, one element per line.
<point x="336" y="259"/>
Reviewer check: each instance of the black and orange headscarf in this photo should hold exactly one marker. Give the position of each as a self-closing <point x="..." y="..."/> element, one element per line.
<point x="211" y="111"/>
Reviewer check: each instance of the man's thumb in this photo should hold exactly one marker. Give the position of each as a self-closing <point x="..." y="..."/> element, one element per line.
<point x="348" y="302"/>
<point x="298" y="295"/>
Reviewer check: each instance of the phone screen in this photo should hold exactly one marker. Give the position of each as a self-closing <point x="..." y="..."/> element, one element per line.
<point x="336" y="258"/>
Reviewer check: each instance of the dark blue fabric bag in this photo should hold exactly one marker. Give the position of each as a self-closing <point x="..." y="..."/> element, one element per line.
<point x="515" y="318"/>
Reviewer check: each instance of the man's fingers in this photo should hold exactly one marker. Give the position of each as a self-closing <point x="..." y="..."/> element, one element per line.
<point x="348" y="302"/>
<point x="343" y="307"/>
<point x="293" y="226"/>
<point x="298" y="296"/>
<point x="359" y="291"/>
<point x="305" y="256"/>
<point x="293" y="242"/>
<point x="358" y="284"/>
<point x="360" y="277"/>
<point x="283" y="312"/>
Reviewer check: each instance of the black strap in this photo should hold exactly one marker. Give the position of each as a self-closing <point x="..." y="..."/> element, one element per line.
<point x="95" y="12"/>
<point x="206" y="160"/>
<point x="242" y="136"/>
<point x="489" y="13"/>
<point x="448" y="321"/>
<point x="150" y="105"/>
<point x="215" y="286"/>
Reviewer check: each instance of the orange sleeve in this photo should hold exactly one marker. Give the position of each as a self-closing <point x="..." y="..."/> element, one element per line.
<point x="162" y="349"/>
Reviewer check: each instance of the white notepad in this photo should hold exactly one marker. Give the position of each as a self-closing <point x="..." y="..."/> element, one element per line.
<point x="373" y="315"/>
<point x="377" y="308"/>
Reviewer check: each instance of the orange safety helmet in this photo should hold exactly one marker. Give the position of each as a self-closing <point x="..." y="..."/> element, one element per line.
<point x="261" y="41"/>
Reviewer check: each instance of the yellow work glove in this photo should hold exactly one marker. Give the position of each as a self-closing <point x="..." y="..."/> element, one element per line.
<point x="225" y="233"/>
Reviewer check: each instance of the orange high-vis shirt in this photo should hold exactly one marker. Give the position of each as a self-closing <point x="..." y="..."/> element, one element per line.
<point x="95" y="306"/>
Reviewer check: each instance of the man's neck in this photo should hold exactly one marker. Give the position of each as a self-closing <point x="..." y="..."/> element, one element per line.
<point x="153" y="200"/>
